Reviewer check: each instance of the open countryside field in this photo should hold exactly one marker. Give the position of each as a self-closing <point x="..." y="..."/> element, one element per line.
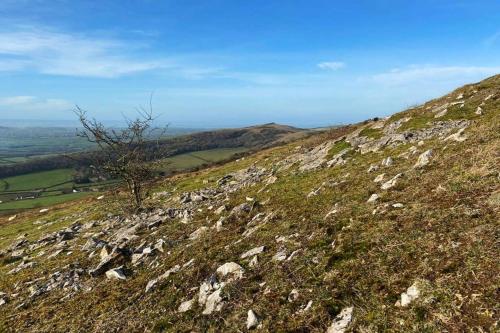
<point x="19" y="144"/>
<point x="38" y="180"/>
<point x="56" y="184"/>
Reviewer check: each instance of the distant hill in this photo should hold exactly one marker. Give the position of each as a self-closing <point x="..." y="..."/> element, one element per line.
<point x="254" y="137"/>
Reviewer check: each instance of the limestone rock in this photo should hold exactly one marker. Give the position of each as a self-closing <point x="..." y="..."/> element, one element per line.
<point x="185" y="306"/>
<point x="252" y="320"/>
<point x="423" y="159"/>
<point x="241" y="210"/>
<point x="254" y="262"/>
<point x="231" y="269"/>
<point x="220" y="210"/>
<point x="374" y="197"/>
<point x="280" y="255"/>
<point x="152" y="284"/>
<point x="253" y="252"/>
<point x="116" y="273"/>
<point x="198" y="233"/>
<point x="459" y="136"/>
<point x="293" y="296"/>
<point x="392" y="182"/>
<point x="342" y="321"/>
<point x="388" y="161"/>
<point x="214" y="302"/>
<point x="412" y="293"/>
<point x="379" y="178"/>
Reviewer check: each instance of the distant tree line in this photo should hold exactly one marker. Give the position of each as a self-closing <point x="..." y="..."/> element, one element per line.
<point x="229" y="138"/>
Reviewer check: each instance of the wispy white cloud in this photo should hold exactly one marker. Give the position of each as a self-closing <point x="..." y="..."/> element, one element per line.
<point x="421" y="73"/>
<point x="59" y="53"/>
<point x="34" y="104"/>
<point x="331" y="65"/>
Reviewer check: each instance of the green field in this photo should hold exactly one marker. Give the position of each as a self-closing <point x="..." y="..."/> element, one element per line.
<point x="42" y="201"/>
<point x="55" y="181"/>
<point x="38" y="180"/>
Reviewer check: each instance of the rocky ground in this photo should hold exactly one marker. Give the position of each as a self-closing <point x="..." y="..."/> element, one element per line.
<point x="387" y="225"/>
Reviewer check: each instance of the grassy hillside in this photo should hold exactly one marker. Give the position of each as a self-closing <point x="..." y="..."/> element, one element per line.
<point x="383" y="226"/>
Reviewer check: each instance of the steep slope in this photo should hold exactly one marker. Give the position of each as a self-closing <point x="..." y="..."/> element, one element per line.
<point x="387" y="225"/>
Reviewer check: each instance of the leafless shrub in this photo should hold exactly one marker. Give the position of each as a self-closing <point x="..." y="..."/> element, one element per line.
<point x="132" y="154"/>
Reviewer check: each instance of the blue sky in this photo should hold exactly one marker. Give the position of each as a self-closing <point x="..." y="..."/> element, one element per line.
<point x="221" y="63"/>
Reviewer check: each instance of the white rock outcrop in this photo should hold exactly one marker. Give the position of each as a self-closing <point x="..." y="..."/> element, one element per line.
<point x="116" y="273"/>
<point x="379" y="178"/>
<point x="374" y="197"/>
<point x="185" y="306"/>
<point x="252" y="320"/>
<point x="210" y="291"/>
<point x="392" y="182"/>
<point x="424" y="159"/>
<point x="253" y="252"/>
<point x="342" y="321"/>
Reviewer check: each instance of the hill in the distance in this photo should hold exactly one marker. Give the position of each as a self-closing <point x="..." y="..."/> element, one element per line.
<point x="17" y="145"/>
<point x="386" y="225"/>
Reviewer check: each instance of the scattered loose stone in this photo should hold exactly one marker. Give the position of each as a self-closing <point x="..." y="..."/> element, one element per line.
<point x="379" y="178"/>
<point x="210" y="291"/>
<point x="252" y="320"/>
<point x="231" y="268"/>
<point x="372" y="168"/>
<point x="441" y="113"/>
<point x="159" y="245"/>
<point x="342" y="321"/>
<point x="391" y="183"/>
<point x="151" y="284"/>
<point x="219" y="225"/>
<point x="271" y="180"/>
<point x="105" y="251"/>
<point x="241" y="210"/>
<point x="423" y="159"/>
<point x="293" y="296"/>
<point x="280" y="255"/>
<point x="220" y="210"/>
<point x="253" y="252"/>
<point x="398" y="205"/>
<point x="459" y="136"/>
<point x="374" y="197"/>
<point x="412" y="293"/>
<point x="314" y="193"/>
<point x="185" y="306"/>
<point x="388" y="161"/>
<point x="213" y="302"/>
<point x="332" y="212"/>
<point x="254" y="262"/>
<point x="306" y="308"/>
<point x="116" y="273"/>
<point x="198" y="233"/>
